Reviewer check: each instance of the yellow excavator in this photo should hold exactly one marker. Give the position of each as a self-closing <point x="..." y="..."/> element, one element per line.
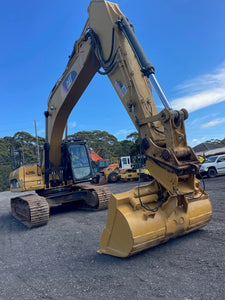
<point x="171" y="205"/>
<point x="65" y="184"/>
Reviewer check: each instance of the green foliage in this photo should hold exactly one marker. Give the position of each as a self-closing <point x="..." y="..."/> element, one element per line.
<point x="23" y="145"/>
<point x="216" y="141"/>
<point x="133" y="136"/>
<point x="135" y="147"/>
<point x="107" y="145"/>
<point x="5" y="165"/>
<point x="103" y="143"/>
<point x="4" y="177"/>
<point x="4" y="153"/>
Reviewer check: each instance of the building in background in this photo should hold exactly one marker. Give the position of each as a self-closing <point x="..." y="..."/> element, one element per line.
<point x="209" y="149"/>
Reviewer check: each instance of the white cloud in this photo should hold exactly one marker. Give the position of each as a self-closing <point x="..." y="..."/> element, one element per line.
<point x="123" y="133"/>
<point x="72" y="124"/>
<point x="202" y="91"/>
<point x="213" y="123"/>
<point x="195" y="142"/>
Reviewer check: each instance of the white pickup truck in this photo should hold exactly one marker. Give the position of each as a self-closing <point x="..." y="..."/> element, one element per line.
<point x="213" y="165"/>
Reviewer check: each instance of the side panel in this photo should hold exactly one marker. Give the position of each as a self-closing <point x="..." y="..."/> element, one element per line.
<point x="26" y="178"/>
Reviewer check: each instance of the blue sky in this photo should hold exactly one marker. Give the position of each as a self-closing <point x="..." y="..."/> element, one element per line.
<point x="184" y="39"/>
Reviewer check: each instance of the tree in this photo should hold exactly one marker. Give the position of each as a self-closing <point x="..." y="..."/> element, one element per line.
<point x="216" y="141"/>
<point x="102" y="142"/>
<point x="4" y="177"/>
<point x="134" y="136"/>
<point x="124" y="148"/>
<point x="4" y="153"/>
<point x="23" y="145"/>
<point x="135" y="147"/>
<point x="5" y="164"/>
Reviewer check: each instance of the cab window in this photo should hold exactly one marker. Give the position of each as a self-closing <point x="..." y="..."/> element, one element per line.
<point x="80" y="162"/>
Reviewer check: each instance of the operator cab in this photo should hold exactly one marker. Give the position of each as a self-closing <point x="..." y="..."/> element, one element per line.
<point x="125" y="162"/>
<point x="76" y="161"/>
<point x="102" y="164"/>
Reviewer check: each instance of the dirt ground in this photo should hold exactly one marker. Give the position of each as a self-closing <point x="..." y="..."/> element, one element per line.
<point x="59" y="260"/>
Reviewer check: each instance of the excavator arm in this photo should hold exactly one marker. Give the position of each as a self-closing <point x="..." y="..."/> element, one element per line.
<point x="173" y="204"/>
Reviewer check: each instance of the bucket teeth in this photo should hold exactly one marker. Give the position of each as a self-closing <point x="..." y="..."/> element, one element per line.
<point x="132" y="228"/>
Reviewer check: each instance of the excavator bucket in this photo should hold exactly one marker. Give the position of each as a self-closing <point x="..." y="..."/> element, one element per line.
<point x="102" y="181"/>
<point x="141" y="218"/>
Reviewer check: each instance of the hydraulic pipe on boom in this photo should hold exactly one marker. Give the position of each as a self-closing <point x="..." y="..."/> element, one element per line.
<point x="146" y="66"/>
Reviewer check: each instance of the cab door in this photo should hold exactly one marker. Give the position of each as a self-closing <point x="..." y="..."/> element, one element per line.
<point x="125" y="162"/>
<point x="80" y="162"/>
<point x="221" y="164"/>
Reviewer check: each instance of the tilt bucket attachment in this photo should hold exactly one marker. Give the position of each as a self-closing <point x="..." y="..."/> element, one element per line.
<point x="147" y="216"/>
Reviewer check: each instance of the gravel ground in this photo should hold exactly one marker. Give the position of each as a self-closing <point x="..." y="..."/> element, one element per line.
<point x="59" y="260"/>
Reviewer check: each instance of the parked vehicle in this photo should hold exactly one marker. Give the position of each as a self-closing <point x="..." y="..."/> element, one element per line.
<point x="213" y="166"/>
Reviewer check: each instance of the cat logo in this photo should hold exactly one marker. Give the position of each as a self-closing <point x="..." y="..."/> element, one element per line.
<point x="67" y="83"/>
